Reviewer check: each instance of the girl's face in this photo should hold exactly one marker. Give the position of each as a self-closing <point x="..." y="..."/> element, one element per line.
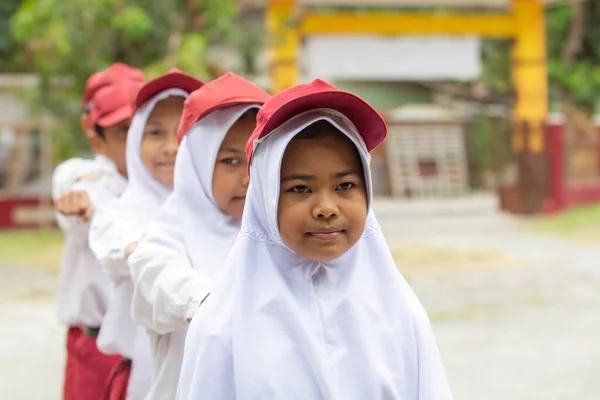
<point x="159" y="144"/>
<point x="230" y="176"/>
<point x="322" y="201"/>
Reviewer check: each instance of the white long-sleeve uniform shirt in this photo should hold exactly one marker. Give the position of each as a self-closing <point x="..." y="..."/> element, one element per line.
<point x="168" y="291"/>
<point x="83" y="289"/>
<point x="120" y="335"/>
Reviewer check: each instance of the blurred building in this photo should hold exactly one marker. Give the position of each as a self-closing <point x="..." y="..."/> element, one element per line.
<point x="25" y="155"/>
<point x="425" y="154"/>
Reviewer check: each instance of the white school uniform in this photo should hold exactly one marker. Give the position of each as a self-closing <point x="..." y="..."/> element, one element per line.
<point x="175" y="263"/>
<point x="278" y="326"/>
<point x="116" y="225"/>
<point x="82" y="289"/>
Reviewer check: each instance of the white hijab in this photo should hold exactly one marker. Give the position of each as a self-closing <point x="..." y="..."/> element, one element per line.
<point x="144" y="196"/>
<point x="277" y="326"/>
<point x="208" y="232"/>
<point x="115" y="226"/>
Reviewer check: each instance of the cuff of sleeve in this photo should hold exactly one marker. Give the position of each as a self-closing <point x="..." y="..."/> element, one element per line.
<point x="192" y="308"/>
<point x="123" y="266"/>
<point x="196" y="302"/>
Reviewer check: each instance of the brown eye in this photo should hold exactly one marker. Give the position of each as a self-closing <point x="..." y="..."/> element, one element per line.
<point x="346" y="186"/>
<point x="154" y="133"/>
<point x="230" y="161"/>
<point x="299" y="189"/>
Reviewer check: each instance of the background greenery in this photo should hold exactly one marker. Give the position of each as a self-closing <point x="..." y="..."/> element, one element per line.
<point x="64" y="41"/>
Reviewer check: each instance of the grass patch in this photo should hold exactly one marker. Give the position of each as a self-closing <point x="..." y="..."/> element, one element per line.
<point x="580" y="224"/>
<point x="415" y="260"/>
<point x="40" y="249"/>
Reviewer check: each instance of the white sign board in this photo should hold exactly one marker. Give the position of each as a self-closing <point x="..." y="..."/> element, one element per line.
<point x="402" y="58"/>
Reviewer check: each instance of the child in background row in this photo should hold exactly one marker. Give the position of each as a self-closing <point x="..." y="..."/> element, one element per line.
<point x="151" y="150"/>
<point x="175" y="263"/>
<point x="83" y="289"/>
<point x="309" y="303"/>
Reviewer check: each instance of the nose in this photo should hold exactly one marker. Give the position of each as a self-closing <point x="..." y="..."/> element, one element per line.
<point x="246" y="179"/>
<point x="325" y="208"/>
<point x="171" y="145"/>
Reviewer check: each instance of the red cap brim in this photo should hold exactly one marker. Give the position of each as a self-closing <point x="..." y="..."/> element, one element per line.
<point x="186" y="126"/>
<point x="170" y="80"/>
<point x="319" y="94"/>
<point x="226" y="91"/>
<point x="368" y="122"/>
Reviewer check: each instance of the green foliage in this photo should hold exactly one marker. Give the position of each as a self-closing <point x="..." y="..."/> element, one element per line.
<point x="134" y="22"/>
<point x="10" y="58"/>
<point x="496" y="66"/>
<point x="75" y="38"/>
<point x="581" y="79"/>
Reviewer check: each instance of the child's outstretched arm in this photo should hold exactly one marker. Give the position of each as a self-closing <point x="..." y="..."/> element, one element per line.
<point x="109" y="237"/>
<point x="167" y="290"/>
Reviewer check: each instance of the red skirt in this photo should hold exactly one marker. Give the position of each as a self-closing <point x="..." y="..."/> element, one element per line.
<point x="70" y="366"/>
<point x="116" y="388"/>
<point x="92" y="369"/>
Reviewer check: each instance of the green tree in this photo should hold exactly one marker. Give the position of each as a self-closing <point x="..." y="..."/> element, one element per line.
<point x="573" y="37"/>
<point x="68" y="40"/>
<point x="11" y="59"/>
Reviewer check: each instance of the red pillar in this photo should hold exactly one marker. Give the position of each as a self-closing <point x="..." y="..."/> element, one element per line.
<point x="555" y="136"/>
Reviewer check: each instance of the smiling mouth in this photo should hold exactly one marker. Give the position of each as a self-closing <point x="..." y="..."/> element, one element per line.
<point x="326" y="234"/>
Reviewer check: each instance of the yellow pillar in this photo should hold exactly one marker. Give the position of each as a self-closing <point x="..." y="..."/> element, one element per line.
<point x="529" y="75"/>
<point x="284" y="44"/>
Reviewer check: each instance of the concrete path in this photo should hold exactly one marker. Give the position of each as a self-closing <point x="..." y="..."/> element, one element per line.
<point x="529" y="331"/>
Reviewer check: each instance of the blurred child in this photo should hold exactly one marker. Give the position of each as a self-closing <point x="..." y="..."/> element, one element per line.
<point x="309" y="304"/>
<point x="174" y="264"/>
<point x="83" y="288"/>
<point x="151" y="150"/>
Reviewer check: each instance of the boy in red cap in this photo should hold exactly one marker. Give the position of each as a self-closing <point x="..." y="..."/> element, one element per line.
<point x="182" y="251"/>
<point x="309" y="303"/>
<point x="83" y="289"/>
<point x="151" y="150"/>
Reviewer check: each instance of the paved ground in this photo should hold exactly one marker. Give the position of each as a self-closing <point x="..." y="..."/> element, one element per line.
<point x="31" y="341"/>
<point x="527" y="330"/>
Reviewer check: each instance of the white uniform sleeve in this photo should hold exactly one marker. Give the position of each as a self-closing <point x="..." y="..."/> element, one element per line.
<point x="98" y="194"/>
<point x="108" y="238"/>
<point x="168" y="291"/>
<point x="64" y="179"/>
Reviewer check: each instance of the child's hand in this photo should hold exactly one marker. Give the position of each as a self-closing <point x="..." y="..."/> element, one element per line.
<point x="76" y="202"/>
<point x="130" y="249"/>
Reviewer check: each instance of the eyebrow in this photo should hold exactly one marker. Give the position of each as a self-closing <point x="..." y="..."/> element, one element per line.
<point x="154" y="122"/>
<point x="306" y="177"/>
<point x="231" y="149"/>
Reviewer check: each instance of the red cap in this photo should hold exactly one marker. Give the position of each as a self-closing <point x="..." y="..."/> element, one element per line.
<point x="114" y="103"/>
<point x="93" y="83"/>
<point x="226" y="91"/>
<point x="115" y="73"/>
<point x="318" y="94"/>
<point x="175" y="78"/>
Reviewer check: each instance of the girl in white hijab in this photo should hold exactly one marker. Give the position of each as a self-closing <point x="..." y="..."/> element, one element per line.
<point x="174" y="265"/>
<point x="150" y="154"/>
<point x="309" y="304"/>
